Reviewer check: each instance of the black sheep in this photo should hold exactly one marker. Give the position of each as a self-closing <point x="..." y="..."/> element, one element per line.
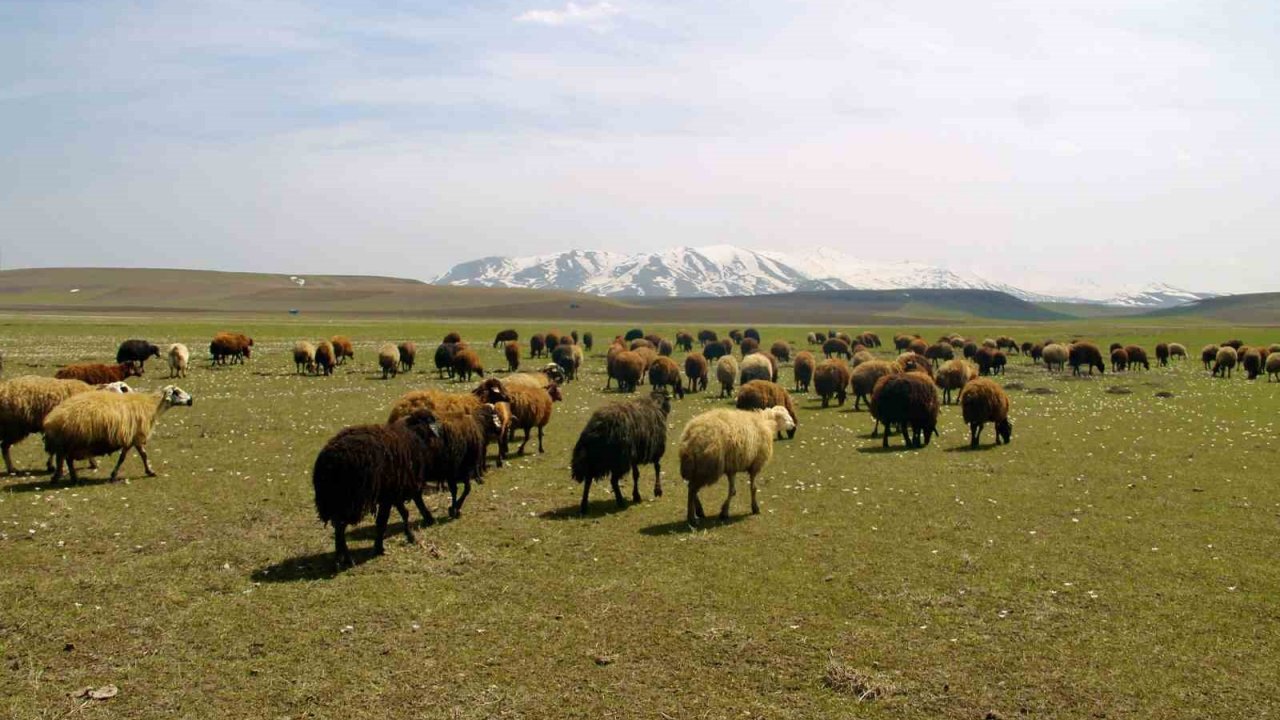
<point x="505" y="336"/>
<point x="910" y="401"/>
<point x="136" y="351"/>
<point x="621" y="436"/>
<point x="444" y="358"/>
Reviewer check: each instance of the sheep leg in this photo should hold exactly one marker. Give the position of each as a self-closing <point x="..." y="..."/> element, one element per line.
<point x="540" y="439"/>
<point x="404" y="515"/>
<point x="885" y="443"/>
<point x="57" y="469"/>
<point x="657" y="478"/>
<point x="71" y="468"/>
<point x="586" y="495"/>
<point x="146" y="462"/>
<point x="341" y="554"/>
<point x="755" y="506"/>
<point x="617" y="491"/>
<point x="502" y="447"/>
<point x="8" y="461"/>
<point x="453" y="497"/>
<point x="526" y="440"/>
<point x="694" y="507"/>
<point x="115" y="473"/>
<point x="733" y="490"/>
<point x="427" y="520"/>
<point x="974" y="431"/>
<point x="456" y="510"/>
<point x="635" y="483"/>
<point x="384" y="514"/>
<point x="906" y="436"/>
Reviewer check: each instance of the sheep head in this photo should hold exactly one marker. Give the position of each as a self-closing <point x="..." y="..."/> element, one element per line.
<point x="663" y="401"/>
<point x="423" y="422"/>
<point x="491" y="391"/>
<point x="781" y="419"/>
<point x="1004" y="430"/>
<point x="174" y="395"/>
<point x="554" y="391"/>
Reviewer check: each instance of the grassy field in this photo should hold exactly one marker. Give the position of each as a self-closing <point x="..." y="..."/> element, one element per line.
<point x="1117" y="560"/>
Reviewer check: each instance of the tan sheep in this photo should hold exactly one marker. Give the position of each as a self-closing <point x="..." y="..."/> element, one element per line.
<point x="25" y="401"/>
<point x="99" y="423"/>
<point x="725" y="442"/>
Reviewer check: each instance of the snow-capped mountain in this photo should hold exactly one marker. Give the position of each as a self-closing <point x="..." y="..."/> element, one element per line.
<point x="721" y="270"/>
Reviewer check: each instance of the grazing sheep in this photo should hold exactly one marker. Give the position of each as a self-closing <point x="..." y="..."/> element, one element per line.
<point x="914" y="362"/>
<point x="761" y="394"/>
<point x="725" y="442"/>
<point x="1026" y="347"/>
<point x="98" y="423"/>
<point x="1235" y="345"/>
<point x="727" y="374"/>
<point x="641" y="343"/>
<point x="707" y="336"/>
<point x="99" y="374"/>
<point x="505" y="336"/>
<point x="984" y="358"/>
<point x="918" y="346"/>
<point x="452" y="337"/>
<point x="1085" y="354"/>
<point x="304" y="357"/>
<point x="1177" y="350"/>
<point x="25" y="401"/>
<point x="628" y="368"/>
<point x="512" y="352"/>
<point x="1006" y="343"/>
<point x="230" y="347"/>
<point x="837" y="347"/>
<point x="1251" y="361"/>
<point x="748" y="346"/>
<point x="954" y="375"/>
<point x="466" y="363"/>
<point x="755" y="367"/>
<point x="480" y="405"/>
<point x="1208" y="354"/>
<point x="1036" y="352"/>
<point x="531" y="408"/>
<point x="870" y="339"/>
<point x="622" y="436"/>
<point x="697" y="370"/>
<point x="389" y="360"/>
<point x="718" y="349"/>
<point x="665" y="348"/>
<point x="537" y="345"/>
<point x="781" y="350"/>
<point x="568" y="357"/>
<point x="1137" y="356"/>
<point x="665" y="373"/>
<point x="373" y="468"/>
<point x="1119" y="359"/>
<point x="588" y="340"/>
<point x="544" y="378"/>
<point x="179" y="357"/>
<point x="752" y="333"/>
<point x="983" y="401"/>
<point x="735" y="335"/>
<point x="1162" y="354"/>
<point x="1055" y="356"/>
<point x="812" y="338"/>
<point x="861" y="357"/>
<point x="901" y="342"/>
<point x="444" y="359"/>
<point x="1224" y="360"/>
<point x="408" y="355"/>
<point x="684" y="341"/>
<point x="803" y="369"/>
<point x="138" y="351"/>
<point x="969" y="350"/>
<point x="654" y="340"/>
<point x="830" y="379"/>
<point x="342" y="349"/>
<point x="326" y="357"/>
<point x="910" y="401"/>
<point x="865" y="376"/>
<point x="632" y="334"/>
<point x="1274" y="347"/>
<point x="939" y="353"/>
<point x="1273" y="366"/>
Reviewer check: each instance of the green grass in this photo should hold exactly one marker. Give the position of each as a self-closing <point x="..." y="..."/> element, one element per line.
<point x="1117" y="560"/>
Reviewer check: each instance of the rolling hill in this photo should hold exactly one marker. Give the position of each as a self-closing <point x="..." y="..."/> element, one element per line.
<point x="1251" y="309"/>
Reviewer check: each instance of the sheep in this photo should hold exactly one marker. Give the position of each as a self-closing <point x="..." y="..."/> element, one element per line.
<point x="466" y="363"/>
<point x="696" y="369"/>
<point x="748" y="346"/>
<point x="389" y="360"/>
<point x="1234" y="345"/>
<point x="837" y="347"/>
<point x="984" y="401"/>
<point x="1273" y="366"/>
<point x="1086" y="354"/>
<point x="25" y="401"/>
<point x="755" y="367"/>
<point x="1177" y="350"/>
<point x="641" y="343"/>
<point x="342" y="349"/>
<point x="1026" y="347"/>
<point x="505" y="336"/>
<point x="914" y="362"/>
<point x="1224" y="360"/>
<point x="452" y="337"/>
<point x="830" y="379"/>
<point x="901" y="342"/>
<point x="444" y="359"/>
<point x="98" y="423"/>
<point x="179" y="356"/>
<point x="939" y="353"/>
<point x="480" y="405"/>
<point x="408" y="352"/>
<point x="707" y="336"/>
<point x="1137" y="356"/>
<point x="569" y="358"/>
<point x="1004" y="342"/>
<point x="860" y="357"/>
<point x="1162" y="354"/>
<point x="803" y="369"/>
<point x="512" y="352"/>
<point x="588" y="340"/>
<point x="1055" y="356"/>
<point x="954" y="375"/>
<point x="1208" y="354"/>
<point x="304" y="357"/>
<point x="1036" y="352"/>
<point x="326" y="357"/>
<point x="751" y="333"/>
<point x="918" y="346"/>
<point x="684" y="341"/>
<point x="812" y="338"/>
<point x="1251" y="361"/>
<point x="627" y="367"/>
<point x="870" y="339"/>
<point x="1272" y="348"/>
<point x="460" y="454"/>
<point x="969" y="350"/>
<point x="544" y="378"/>
<point x="633" y="334"/>
<point x="654" y="340"/>
<point x="618" y="437"/>
<point x="781" y="350"/>
<point x="665" y="373"/>
<point x="665" y="348"/>
<point x="537" y="345"/>
<point x="230" y="347"/>
<point x="373" y="468"/>
<point x="531" y="408"/>
<point x="864" y="378"/>
<point x="727" y="374"/>
<point x="724" y="442"/>
<point x="761" y="394"/>
<point x="910" y="401"/>
<point x="99" y="374"/>
<point x="138" y="351"/>
<point x="1119" y="359"/>
<point x="718" y="349"/>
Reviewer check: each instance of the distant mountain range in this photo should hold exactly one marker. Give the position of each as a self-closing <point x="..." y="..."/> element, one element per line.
<point x="727" y="270"/>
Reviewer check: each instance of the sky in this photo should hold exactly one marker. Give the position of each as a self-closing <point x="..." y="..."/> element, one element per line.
<point x="1045" y="145"/>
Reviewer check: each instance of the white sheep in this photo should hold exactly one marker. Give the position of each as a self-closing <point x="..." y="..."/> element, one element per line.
<point x="178" y="357"/>
<point x="1055" y="355"/>
<point x="99" y="423"/>
<point x="726" y="442"/>
<point x="121" y="387"/>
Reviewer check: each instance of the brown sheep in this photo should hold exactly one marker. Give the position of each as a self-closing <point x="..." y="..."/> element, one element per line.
<point x="512" y="352"/>
<point x="627" y="367"/>
<point x="697" y="370"/>
<point x="803" y="369"/>
<point x="389" y="360"/>
<point x="727" y="374"/>
<point x="665" y="373"/>
<point x="325" y="358"/>
<point x="831" y="378"/>
<point x="1273" y="366"/>
<point x="762" y="394"/>
<point x="983" y="401"/>
<point x="408" y="355"/>
<point x="954" y="375"/>
<point x="748" y="346"/>
<point x="918" y="346"/>
<point x="837" y="347"/>
<point x="1119" y="359"/>
<point x="452" y="338"/>
<point x="684" y="341"/>
<point x="505" y="336"/>
<point x="1224" y="361"/>
<point x="939" y="353"/>
<point x="25" y="401"/>
<point x="342" y="349"/>
<point x="530" y="408"/>
<point x="1251" y="361"/>
<point x="1086" y="354"/>
<point x="1208" y="354"/>
<point x="1162" y="354"/>
<point x="537" y="345"/>
<point x="466" y="363"/>
<point x="99" y="374"/>
<point x="866" y="375"/>
<point x="781" y="350"/>
<point x="1137" y="356"/>
<point x="230" y="347"/>
<point x="914" y="362"/>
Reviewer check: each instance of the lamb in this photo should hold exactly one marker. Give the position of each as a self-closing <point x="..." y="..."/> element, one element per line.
<point x="696" y="369"/>
<point x="983" y="401"/>
<point x="179" y="356"/>
<point x="755" y="367"/>
<point x="1055" y="356"/>
<point x="1224" y="361"/>
<point x="138" y="351"/>
<point x="452" y="337"/>
<point x="389" y="360"/>
<point x="1119" y="359"/>
<point x="830" y="379"/>
<point x="781" y="350"/>
<point x="910" y="401"/>
<point x="954" y="375"/>
<point x="727" y="374"/>
<point x="622" y="436"/>
<point x="725" y="442"/>
<point x="665" y="373"/>
<point x="99" y="374"/>
<point x="98" y="423"/>
<point x="512" y="351"/>
<point x="1273" y="367"/>
<point x="803" y="369"/>
<point x="505" y="336"/>
<point x="342" y="349"/>
<point x="373" y="468"/>
<point x="684" y="341"/>
<point x="627" y="367"/>
<point x="230" y="347"/>
<point x="1162" y="354"/>
<point x="1177" y="350"/>
<point x="865" y="376"/>
<point x="837" y="347"/>
<point x="1137" y="356"/>
<point x="537" y="345"/>
<point x="25" y="401"/>
<point x="1251" y="361"/>
<point x="531" y="408"/>
<point x="444" y="359"/>
<point x="304" y="357"/>
<point x="1208" y="354"/>
<point x="762" y="394"/>
<point x="466" y="363"/>
<point x="1086" y="354"/>
<point x="408" y="351"/>
<point x="326" y="357"/>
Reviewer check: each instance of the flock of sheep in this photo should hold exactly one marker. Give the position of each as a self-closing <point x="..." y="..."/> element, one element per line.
<point x="434" y="436"/>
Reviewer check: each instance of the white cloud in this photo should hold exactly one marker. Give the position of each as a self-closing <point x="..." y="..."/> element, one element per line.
<point x="596" y="16"/>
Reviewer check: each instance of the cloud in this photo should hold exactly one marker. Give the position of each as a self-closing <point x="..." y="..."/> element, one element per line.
<point x="597" y="16"/>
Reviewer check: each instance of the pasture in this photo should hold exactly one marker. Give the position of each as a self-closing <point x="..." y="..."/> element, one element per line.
<point x="1118" y="559"/>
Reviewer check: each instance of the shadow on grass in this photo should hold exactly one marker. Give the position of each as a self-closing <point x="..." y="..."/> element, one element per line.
<point x="595" y="509"/>
<point x="46" y="484"/>
<point x="681" y="526"/>
<point x="316" y="566"/>
<point x="880" y="449"/>
<point x="967" y="448"/>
